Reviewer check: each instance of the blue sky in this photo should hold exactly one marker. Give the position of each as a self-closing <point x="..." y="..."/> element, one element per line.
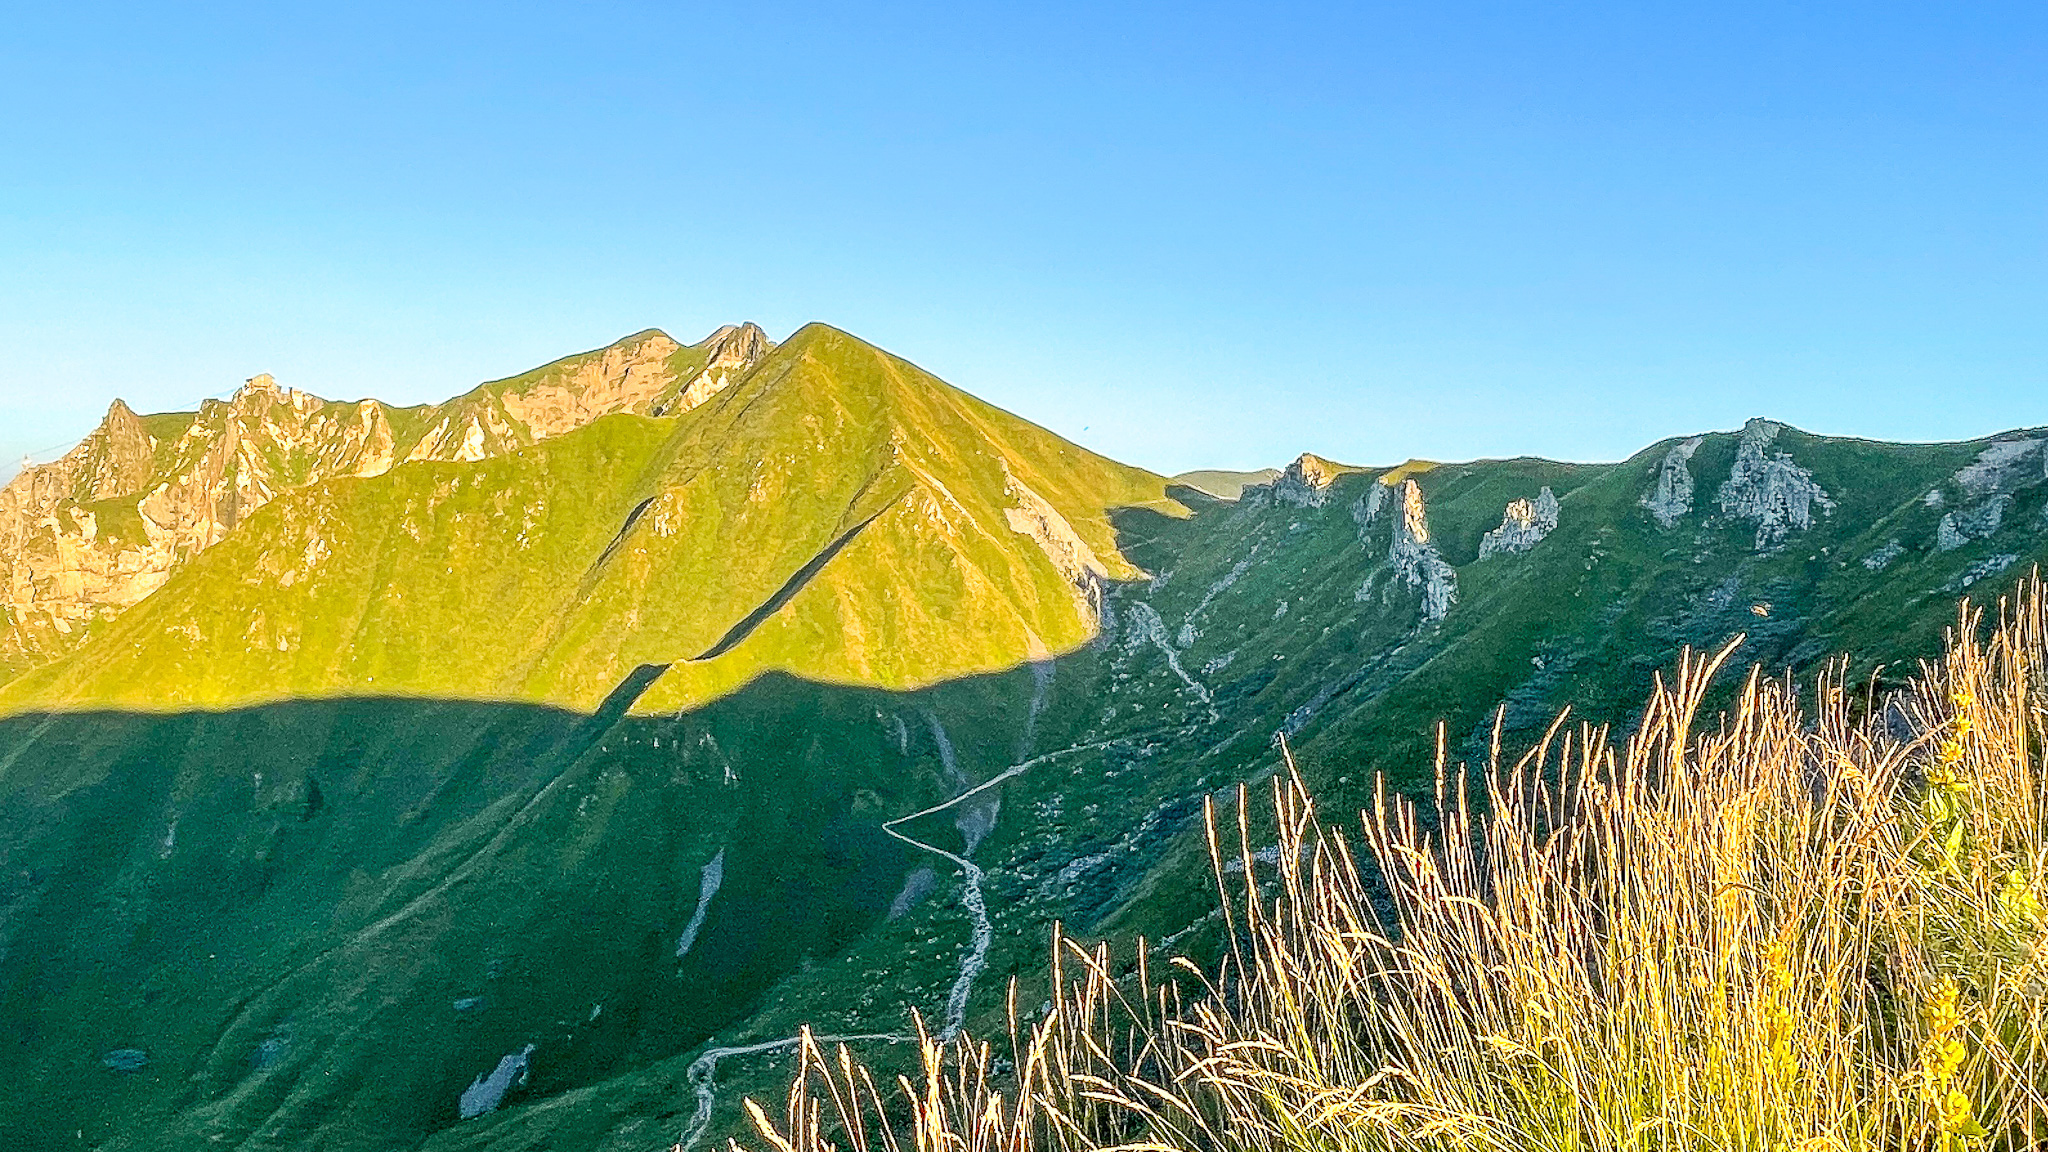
<point x="1184" y="234"/>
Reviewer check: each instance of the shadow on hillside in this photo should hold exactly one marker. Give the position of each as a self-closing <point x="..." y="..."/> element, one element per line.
<point x="322" y="907"/>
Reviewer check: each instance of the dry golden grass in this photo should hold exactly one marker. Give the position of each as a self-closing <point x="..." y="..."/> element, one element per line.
<point x="1794" y="929"/>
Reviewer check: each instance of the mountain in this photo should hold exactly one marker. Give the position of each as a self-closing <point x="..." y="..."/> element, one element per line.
<point x="533" y="800"/>
<point x="90" y="534"/>
<point x="972" y="540"/>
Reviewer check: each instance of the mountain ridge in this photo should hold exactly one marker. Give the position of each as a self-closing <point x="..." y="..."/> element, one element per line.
<point x="820" y="434"/>
<point x="622" y="754"/>
<point x="86" y="536"/>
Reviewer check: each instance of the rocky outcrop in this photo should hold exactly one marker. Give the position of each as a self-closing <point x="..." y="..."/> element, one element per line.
<point x="1879" y="560"/>
<point x="90" y="534"/>
<point x="2006" y="465"/>
<point x="1416" y="559"/>
<point x="1365" y="510"/>
<point x="1982" y="570"/>
<point x="1305" y="483"/>
<point x="734" y="350"/>
<point x="1034" y="516"/>
<point x="485" y="1093"/>
<point x="1525" y="523"/>
<point x="627" y="377"/>
<point x="1768" y="489"/>
<point x="1671" y="498"/>
<point x="1976" y="522"/>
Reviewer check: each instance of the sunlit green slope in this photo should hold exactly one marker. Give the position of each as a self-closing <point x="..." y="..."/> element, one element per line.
<point x="914" y="532"/>
<point x="590" y="745"/>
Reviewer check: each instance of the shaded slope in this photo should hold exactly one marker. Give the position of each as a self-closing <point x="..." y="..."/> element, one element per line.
<point x="322" y="919"/>
<point x="1290" y="612"/>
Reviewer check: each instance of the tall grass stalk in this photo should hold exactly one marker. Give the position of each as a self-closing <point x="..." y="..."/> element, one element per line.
<point x="1794" y="928"/>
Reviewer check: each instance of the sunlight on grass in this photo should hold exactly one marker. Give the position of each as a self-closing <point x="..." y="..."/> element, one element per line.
<point x="1797" y="927"/>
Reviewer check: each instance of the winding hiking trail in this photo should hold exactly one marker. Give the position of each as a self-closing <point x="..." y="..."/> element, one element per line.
<point x="699" y="1074"/>
<point x="702" y="1071"/>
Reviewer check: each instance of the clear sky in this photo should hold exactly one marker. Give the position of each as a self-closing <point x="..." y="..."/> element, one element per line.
<point x="1184" y="234"/>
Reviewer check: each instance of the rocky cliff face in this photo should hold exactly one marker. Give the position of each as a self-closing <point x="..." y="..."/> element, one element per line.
<point x="1672" y="497"/>
<point x="1768" y="489"/>
<point x="1416" y="559"/>
<point x="1523" y="524"/>
<point x="1305" y="483"/>
<point x="733" y="351"/>
<point x="90" y="534"/>
<point x="2006" y="468"/>
<point x="1036" y="517"/>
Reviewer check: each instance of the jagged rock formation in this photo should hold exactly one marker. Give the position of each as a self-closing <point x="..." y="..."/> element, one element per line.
<point x="1522" y="526"/>
<point x="1963" y="525"/>
<point x="1877" y="561"/>
<point x="1768" y="489"/>
<point x="90" y="534"/>
<point x="1366" y="509"/>
<point x="1416" y="559"/>
<point x="1305" y="483"/>
<point x="1672" y="497"/>
<point x="2007" y="466"/>
<point x="733" y="350"/>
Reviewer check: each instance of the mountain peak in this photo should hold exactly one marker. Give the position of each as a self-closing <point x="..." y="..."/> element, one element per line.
<point x="729" y="353"/>
<point x="737" y="344"/>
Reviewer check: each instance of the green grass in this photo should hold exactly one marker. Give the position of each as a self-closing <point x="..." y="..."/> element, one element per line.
<point x="1781" y="930"/>
<point x="462" y="621"/>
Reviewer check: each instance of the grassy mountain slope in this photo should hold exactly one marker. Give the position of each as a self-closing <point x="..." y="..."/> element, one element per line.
<point x="591" y="745"/>
<point x="1286" y="612"/>
<point x="87" y="536"/>
<point x="548" y="573"/>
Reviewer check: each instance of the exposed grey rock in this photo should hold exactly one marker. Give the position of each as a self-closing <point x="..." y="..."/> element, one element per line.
<point x="469" y="1004"/>
<point x="126" y="1059"/>
<point x="486" y="1092"/>
<point x="1768" y="489"/>
<point x="1982" y="570"/>
<point x="1877" y="561"/>
<point x="1672" y="497"/>
<point x="708" y="879"/>
<point x="1035" y="516"/>
<point x="1305" y="483"/>
<point x="1366" y="509"/>
<point x="1934" y="498"/>
<point x="1416" y="559"/>
<point x="2006" y="465"/>
<point x="1973" y="523"/>
<point x="1522" y="526"/>
<point x="916" y="887"/>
